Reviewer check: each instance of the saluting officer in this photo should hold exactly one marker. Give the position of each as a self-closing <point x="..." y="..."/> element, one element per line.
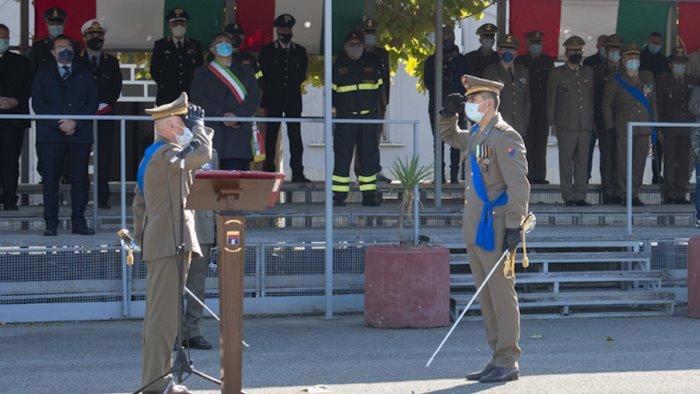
<point x="539" y="66"/>
<point x="570" y="113"/>
<point x="606" y="144"/>
<point x="108" y="78"/>
<point x="515" y="95"/>
<point x="496" y="200"/>
<point x="175" y="58"/>
<point x="284" y="65"/>
<point x="630" y="96"/>
<point x="673" y="94"/>
<point x="478" y="59"/>
<point x="40" y="53"/>
<point x="357" y="92"/>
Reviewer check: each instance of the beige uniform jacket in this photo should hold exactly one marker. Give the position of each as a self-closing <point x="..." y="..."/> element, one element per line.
<point x="620" y="107"/>
<point x="515" y="96"/>
<point x="156" y="209"/>
<point x="673" y="99"/>
<point x="503" y="168"/>
<point x="570" y="99"/>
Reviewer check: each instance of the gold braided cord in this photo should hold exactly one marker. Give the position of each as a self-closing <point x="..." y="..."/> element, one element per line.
<point x="509" y="264"/>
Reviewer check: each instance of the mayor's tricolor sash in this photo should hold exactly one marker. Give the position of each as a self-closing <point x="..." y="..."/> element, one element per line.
<point x="229" y="79"/>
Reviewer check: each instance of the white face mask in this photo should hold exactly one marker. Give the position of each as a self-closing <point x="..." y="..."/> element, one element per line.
<point x="185" y="138"/>
<point x="179" y="31"/>
<point x="473" y="113"/>
<point x="614" y="56"/>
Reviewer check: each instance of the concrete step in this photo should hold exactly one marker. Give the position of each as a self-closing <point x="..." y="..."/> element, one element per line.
<point x="648" y="277"/>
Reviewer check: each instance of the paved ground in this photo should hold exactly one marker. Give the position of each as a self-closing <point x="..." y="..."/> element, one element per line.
<point x="290" y="354"/>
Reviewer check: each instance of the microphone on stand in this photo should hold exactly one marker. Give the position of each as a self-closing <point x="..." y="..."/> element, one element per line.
<point x="189" y="148"/>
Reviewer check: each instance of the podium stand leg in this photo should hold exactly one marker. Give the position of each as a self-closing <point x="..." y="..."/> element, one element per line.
<point x="231" y="260"/>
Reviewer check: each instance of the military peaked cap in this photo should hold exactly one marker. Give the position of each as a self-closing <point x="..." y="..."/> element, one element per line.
<point x="487" y="29"/>
<point x="631" y="49"/>
<point x="508" y="41"/>
<point x="93" y="26"/>
<point x="534" y="36"/>
<point x="613" y="41"/>
<point x="574" y="42"/>
<point x="176" y="108"/>
<point x="474" y="85"/>
<point x="177" y="14"/>
<point x="285" y="20"/>
<point x="678" y="55"/>
<point x="368" y="24"/>
<point x="55" y="14"/>
<point x="234" y="29"/>
<point x="355" y="35"/>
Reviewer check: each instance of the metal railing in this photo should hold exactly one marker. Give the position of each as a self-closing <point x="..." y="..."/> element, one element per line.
<point x="122" y="119"/>
<point x="630" y="127"/>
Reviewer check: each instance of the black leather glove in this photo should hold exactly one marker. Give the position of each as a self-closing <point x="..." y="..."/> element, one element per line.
<point x="454" y="102"/>
<point x="194" y="117"/>
<point x="512" y="239"/>
<point x="613" y="133"/>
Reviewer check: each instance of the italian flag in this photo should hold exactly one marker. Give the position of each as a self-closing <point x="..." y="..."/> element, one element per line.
<point x="633" y="20"/>
<point x="136" y="24"/>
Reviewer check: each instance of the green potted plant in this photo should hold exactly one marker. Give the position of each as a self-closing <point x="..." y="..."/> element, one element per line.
<point x="407" y="285"/>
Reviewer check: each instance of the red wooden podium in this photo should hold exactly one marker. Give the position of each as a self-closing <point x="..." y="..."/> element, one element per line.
<point x="231" y="193"/>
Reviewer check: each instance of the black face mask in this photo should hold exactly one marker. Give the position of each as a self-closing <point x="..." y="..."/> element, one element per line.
<point x="575" y="58"/>
<point x="236" y="42"/>
<point x="448" y="46"/>
<point x="95" y="43"/>
<point x="286" y="38"/>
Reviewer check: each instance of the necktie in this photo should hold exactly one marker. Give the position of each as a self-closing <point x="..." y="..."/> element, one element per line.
<point x="66" y="73"/>
<point x="178" y="44"/>
<point x="93" y="60"/>
<point x="512" y="76"/>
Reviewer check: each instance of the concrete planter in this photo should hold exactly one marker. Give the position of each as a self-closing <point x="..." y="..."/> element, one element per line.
<point x="407" y="287"/>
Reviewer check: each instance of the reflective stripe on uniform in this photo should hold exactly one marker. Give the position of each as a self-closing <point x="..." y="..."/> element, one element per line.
<point x="258" y="75"/>
<point x="341" y="179"/>
<point x="368" y="186"/>
<point x="367" y="179"/>
<point x="361" y="86"/>
<point x="370" y="86"/>
<point x="342" y="188"/>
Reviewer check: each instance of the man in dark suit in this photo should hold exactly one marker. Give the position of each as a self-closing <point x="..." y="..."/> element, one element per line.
<point x="284" y="65"/>
<point x="174" y="58"/>
<point x="15" y="88"/>
<point x="108" y="77"/>
<point x="228" y="88"/>
<point x="55" y="19"/>
<point x="64" y="87"/>
<point x="598" y="57"/>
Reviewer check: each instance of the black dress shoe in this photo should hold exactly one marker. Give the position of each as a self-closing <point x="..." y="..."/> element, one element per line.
<point x="50" y="232"/>
<point x="371" y="202"/>
<point x="681" y="201"/>
<point x="10" y="207"/>
<point x="478" y="374"/>
<point x="636" y="202"/>
<point x="338" y="203"/>
<point x="540" y="182"/>
<point x="669" y="201"/>
<point x="83" y="231"/>
<point x="582" y="203"/>
<point x="104" y="205"/>
<point x="300" y="179"/>
<point x="500" y="375"/>
<point x="571" y="203"/>
<point x="197" y="343"/>
<point x="382" y="178"/>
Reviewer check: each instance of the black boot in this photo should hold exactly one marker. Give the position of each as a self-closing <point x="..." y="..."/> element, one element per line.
<point x="369" y="199"/>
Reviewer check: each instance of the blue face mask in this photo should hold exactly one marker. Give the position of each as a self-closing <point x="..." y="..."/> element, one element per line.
<point x="4" y="44"/>
<point x="224" y="49"/>
<point x="632" y="65"/>
<point x="535" y="49"/>
<point x="55" y="30"/>
<point x="654" y="48"/>
<point x="507" y="57"/>
<point x="679" y="69"/>
<point x="65" y="55"/>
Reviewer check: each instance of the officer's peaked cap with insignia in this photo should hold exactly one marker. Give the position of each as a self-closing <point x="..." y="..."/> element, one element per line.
<point x="574" y="43"/>
<point x="355" y="35"/>
<point x="508" y="41"/>
<point x="369" y="24"/>
<point x="487" y="29"/>
<point x="234" y="29"/>
<point x="285" y="20"/>
<point x="55" y="14"/>
<point x="474" y="85"/>
<point x="534" y="36"/>
<point x="177" y="14"/>
<point x="176" y="108"/>
<point x="678" y="55"/>
<point x="613" y="41"/>
<point x="93" y="26"/>
<point x="631" y="48"/>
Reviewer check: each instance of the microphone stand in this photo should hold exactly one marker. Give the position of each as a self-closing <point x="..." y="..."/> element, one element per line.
<point x="182" y="364"/>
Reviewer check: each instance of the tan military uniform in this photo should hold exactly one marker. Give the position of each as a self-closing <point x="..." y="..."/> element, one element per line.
<point x="503" y="168"/>
<point x="673" y="95"/>
<point x="602" y="73"/>
<point x="157" y="224"/>
<point x="515" y="96"/>
<point x="619" y="108"/>
<point x="570" y="110"/>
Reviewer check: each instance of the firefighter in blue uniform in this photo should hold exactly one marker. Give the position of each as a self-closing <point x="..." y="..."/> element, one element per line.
<point x="357" y="94"/>
<point x="174" y="58"/>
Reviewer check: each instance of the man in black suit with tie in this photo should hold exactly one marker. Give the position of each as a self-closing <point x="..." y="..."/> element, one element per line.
<point x="284" y="65"/>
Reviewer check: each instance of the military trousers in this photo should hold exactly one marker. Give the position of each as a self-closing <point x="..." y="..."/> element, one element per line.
<point x="296" y="146"/>
<point x="676" y="163"/>
<point x="640" y="151"/>
<point x="105" y="146"/>
<point x="536" y="145"/>
<point x="196" y="283"/>
<point x="11" y="140"/>
<point x="454" y="153"/>
<point x="573" y="163"/>
<point x="163" y="300"/>
<point x="499" y="306"/>
<point x="608" y="163"/>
